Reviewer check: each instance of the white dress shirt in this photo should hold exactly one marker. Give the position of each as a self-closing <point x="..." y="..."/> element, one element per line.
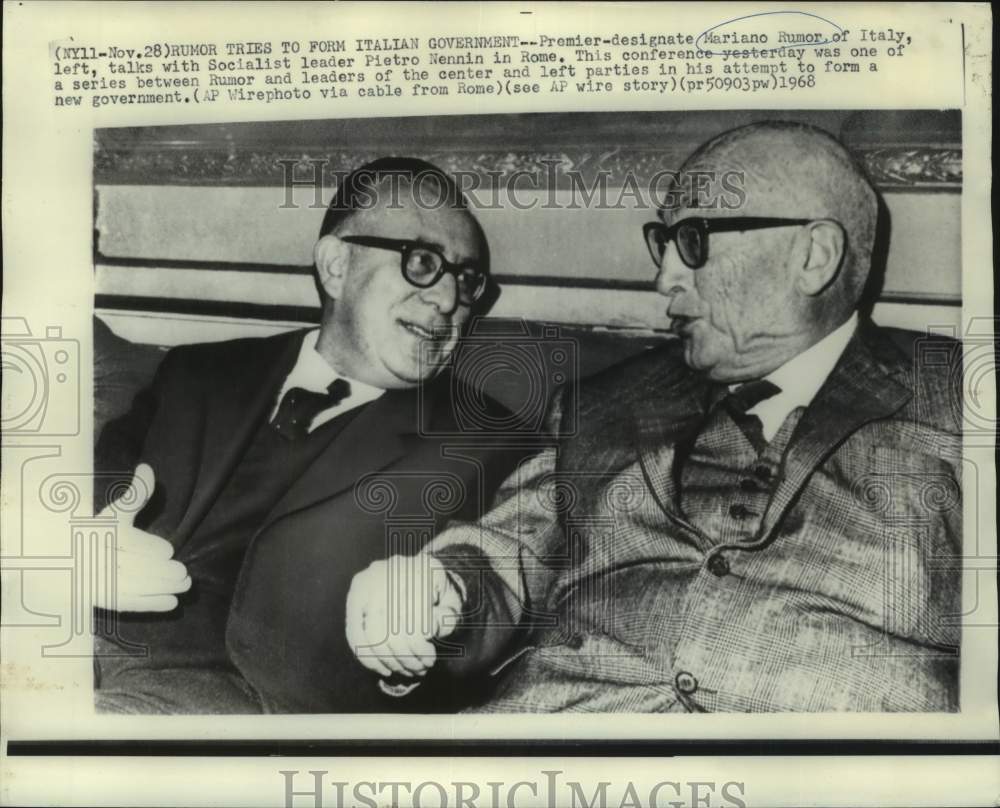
<point x="313" y="372"/>
<point x="801" y="377"/>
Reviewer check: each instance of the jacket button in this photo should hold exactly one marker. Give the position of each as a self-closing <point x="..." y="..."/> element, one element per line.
<point x="792" y="523"/>
<point x="575" y="642"/>
<point x="685" y="682"/>
<point x="749" y="485"/>
<point x="718" y="565"/>
<point x="763" y="472"/>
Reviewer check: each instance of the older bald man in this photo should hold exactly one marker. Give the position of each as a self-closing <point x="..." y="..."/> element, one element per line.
<point x="757" y="517"/>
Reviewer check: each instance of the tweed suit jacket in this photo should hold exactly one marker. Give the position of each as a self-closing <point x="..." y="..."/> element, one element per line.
<point x="594" y="592"/>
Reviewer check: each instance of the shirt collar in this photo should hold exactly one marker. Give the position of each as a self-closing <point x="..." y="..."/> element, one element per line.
<point x="801" y="377"/>
<point x="313" y="372"/>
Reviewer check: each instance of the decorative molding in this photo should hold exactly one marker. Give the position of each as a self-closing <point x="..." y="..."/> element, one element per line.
<point x="930" y="167"/>
<point x="892" y="168"/>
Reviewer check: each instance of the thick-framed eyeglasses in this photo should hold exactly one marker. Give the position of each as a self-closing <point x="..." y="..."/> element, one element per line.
<point x="423" y="266"/>
<point x="691" y="235"/>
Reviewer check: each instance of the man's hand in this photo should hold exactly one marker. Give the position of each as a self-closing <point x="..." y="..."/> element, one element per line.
<point x="146" y="578"/>
<point x="395" y="608"/>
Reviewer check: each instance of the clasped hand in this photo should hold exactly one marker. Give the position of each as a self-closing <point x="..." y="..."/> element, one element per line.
<point x="395" y="608"/>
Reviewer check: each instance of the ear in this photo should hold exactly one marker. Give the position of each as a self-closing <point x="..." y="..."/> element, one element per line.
<point x="826" y="247"/>
<point x="331" y="258"/>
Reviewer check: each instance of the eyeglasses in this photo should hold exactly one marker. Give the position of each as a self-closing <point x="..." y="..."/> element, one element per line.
<point x="423" y="266"/>
<point x="691" y="235"/>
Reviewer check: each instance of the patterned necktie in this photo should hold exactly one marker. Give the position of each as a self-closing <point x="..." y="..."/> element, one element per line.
<point x="746" y="397"/>
<point x="299" y="407"/>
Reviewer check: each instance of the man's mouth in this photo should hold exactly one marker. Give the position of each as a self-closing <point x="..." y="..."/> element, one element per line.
<point x="680" y="324"/>
<point x="424" y="331"/>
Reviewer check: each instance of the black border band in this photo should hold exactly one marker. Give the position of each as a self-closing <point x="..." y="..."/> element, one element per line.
<point x="587" y="747"/>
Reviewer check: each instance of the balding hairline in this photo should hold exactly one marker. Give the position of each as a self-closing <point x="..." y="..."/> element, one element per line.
<point x="824" y="168"/>
<point x="388" y="190"/>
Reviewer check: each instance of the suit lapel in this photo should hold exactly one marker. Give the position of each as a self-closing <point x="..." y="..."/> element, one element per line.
<point x="240" y="398"/>
<point x="667" y="416"/>
<point x="375" y="438"/>
<point x="862" y="388"/>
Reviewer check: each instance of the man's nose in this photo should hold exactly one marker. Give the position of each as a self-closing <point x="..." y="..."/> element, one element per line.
<point x="674" y="275"/>
<point x="443" y="295"/>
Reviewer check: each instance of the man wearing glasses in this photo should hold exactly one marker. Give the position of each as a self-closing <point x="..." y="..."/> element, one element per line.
<point x="756" y="517"/>
<point x="231" y="581"/>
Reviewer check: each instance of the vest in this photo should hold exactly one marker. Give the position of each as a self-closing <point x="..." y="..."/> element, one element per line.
<point x="725" y="486"/>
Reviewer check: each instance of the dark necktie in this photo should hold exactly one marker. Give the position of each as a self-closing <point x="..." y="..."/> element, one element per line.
<point x="746" y="397"/>
<point x="299" y="406"/>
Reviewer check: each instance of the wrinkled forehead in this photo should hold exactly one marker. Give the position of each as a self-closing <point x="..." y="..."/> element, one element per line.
<point x="420" y="213"/>
<point x="705" y="185"/>
<point x="755" y="177"/>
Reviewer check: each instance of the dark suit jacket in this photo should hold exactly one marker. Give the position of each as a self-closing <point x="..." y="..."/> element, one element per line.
<point x="846" y="599"/>
<point x="395" y="470"/>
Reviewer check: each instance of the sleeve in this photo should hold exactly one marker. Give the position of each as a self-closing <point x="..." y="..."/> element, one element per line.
<point x="154" y="430"/>
<point x="119" y="446"/>
<point x="504" y="563"/>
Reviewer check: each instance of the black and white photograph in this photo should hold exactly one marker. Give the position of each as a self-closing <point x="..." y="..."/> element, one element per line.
<point x="587" y="413"/>
<point x="469" y="405"/>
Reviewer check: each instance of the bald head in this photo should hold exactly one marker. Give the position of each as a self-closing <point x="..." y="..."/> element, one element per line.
<point x="757" y="285"/>
<point x="798" y="171"/>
